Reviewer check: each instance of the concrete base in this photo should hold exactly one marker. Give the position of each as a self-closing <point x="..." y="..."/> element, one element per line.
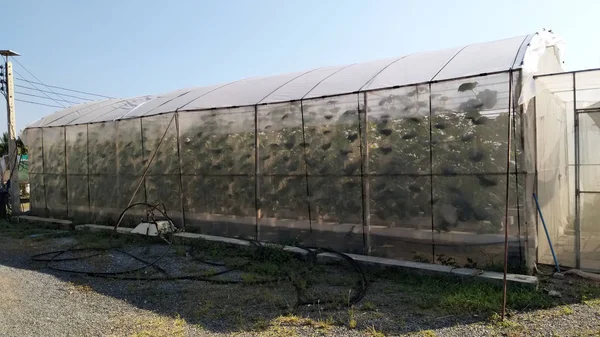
<point x="362" y="259"/>
<point x="62" y="224"/>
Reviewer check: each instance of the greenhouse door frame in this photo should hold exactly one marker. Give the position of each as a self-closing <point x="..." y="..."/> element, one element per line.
<point x="579" y="189"/>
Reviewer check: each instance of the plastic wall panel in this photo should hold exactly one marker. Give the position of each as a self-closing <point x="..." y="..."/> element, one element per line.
<point x="284" y="210"/>
<point x="220" y="205"/>
<point x="468" y="219"/>
<point x="398" y="131"/>
<point x="400" y="217"/>
<point x="280" y="139"/>
<point x="217" y="142"/>
<point x="103" y="180"/>
<point x="104" y="197"/>
<point x="77" y="149"/>
<point x="331" y="127"/>
<point x="590" y="232"/>
<point x="470" y="125"/>
<point x="283" y="198"/>
<point x="165" y="189"/>
<point x="77" y="195"/>
<point x="336" y="210"/>
<point x="56" y="194"/>
<point x="587" y="85"/>
<point x="555" y="189"/>
<point x="34" y="146"/>
<point x="102" y="148"/>
<point x="54" y="150"/>
<point x="165" y="160"/>
<point x="130" y="160"/>
<point x="37" y="195"/>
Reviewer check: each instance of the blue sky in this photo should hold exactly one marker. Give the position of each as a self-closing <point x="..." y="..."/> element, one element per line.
<point x="126" y="48"/>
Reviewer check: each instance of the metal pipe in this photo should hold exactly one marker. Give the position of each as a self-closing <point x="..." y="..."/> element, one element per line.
<point x="577" y="180"/>
<point x="537" y="204"/>
<point x="508" y="143"/>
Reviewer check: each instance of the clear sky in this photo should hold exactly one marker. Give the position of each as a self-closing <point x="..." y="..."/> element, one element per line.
<point x="126" y="48"/>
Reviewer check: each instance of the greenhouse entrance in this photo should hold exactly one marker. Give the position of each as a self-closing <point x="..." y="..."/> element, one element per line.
<point x="568" y="167"/>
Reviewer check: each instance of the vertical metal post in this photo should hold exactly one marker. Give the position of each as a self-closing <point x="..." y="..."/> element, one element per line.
<point x="431" y="174"/>
<point x="257" y="180"/>
<point x="306" y="172"/>
<point x="577" y="179"/>
<point x="508" y="143"/>
<point x="66" y="170"/>
<point x="513" y="113"/>
<point x="363" y="131"/>
<point x="44" y="174"/>
<point x="87" y="163"/>
<point x="181" y="197"/>
<point x="13" y="163"/>
<point x="143" y="156"/>
<point x="535" y="160"/>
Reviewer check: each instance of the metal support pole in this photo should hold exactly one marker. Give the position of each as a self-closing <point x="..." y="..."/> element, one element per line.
<point x="180" y="165"/>
<point x="431" y="205"/>
<point x="577" y="180"/>
<point x="305" y="158"/>
<point x="13" y="163"/>
<point x="508" y="144"/>
<point x="257" y="179"/>
<point x="363" y="131"/>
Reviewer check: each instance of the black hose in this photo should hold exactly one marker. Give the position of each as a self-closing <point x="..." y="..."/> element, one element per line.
<point x="312" y="253"/>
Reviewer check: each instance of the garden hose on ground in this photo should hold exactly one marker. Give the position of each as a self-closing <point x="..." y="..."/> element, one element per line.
<point x="312" y="253"/>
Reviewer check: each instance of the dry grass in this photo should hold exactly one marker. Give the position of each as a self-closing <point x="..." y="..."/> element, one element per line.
<point x="160" y="327"/>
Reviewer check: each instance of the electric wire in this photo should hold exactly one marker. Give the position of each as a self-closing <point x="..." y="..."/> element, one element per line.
<point x="38" y="103"/>
<point x="42" y="97"/>
<point x="45" y="94"/>
<point x="62" y="88"/>
<point x="65" y="95"/>
<point x="38" y="82"/>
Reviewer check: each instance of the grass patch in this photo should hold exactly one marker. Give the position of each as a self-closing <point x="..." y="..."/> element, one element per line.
<point x="450" y="295"/>
<point x="566" y="310"/>
<point x="372" y="332"/>
<point x="160" y="327"/>
<point x="368" y="306"/>
<point x="24" y="230"/>
<point x="427" y="333"/>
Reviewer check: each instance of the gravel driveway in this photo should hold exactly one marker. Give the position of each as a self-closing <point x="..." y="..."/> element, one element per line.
<point x="35" y="301"/>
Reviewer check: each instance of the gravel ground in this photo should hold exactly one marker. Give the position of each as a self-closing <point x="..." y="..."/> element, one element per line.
<point x="35" y="301"/>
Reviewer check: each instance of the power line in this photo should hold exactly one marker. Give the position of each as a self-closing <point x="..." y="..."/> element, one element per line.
<point x="32" y="95"/>
<point x="59" y="103"/>
<point x="38" y="103"/>
<point x="61" y="88"/>
<point x="65" y="95"/>
<point x="30" y="73"/>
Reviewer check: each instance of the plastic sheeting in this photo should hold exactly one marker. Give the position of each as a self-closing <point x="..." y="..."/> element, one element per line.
<point x="568" y="166"/>
<point x="417" y="172"/>
<point x="475" y="59"/>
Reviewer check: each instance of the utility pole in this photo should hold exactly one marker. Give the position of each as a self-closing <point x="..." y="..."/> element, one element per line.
<point x="13" y="162"/>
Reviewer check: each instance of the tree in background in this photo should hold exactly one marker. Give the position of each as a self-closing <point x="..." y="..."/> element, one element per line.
<point x="4" y="145"/>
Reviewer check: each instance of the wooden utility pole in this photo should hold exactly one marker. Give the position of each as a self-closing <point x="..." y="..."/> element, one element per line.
<point x="13" y="162"/>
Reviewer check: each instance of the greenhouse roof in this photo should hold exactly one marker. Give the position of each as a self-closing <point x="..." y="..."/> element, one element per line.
<point x="474" y="59"/>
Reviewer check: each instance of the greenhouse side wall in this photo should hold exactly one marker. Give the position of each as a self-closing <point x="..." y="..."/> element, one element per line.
<point x="417" y="172"/>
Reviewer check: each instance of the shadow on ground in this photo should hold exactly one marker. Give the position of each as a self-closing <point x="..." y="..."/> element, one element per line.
<point x="396" y="302"/>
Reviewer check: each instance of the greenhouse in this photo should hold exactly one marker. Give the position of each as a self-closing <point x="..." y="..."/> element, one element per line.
<point x="415" y="157"/>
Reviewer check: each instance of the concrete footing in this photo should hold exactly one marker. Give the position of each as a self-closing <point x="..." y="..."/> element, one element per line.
<point x="371" y="261"/>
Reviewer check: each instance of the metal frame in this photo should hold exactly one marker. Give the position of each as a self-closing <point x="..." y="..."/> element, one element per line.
<point x="576" y="148"/>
